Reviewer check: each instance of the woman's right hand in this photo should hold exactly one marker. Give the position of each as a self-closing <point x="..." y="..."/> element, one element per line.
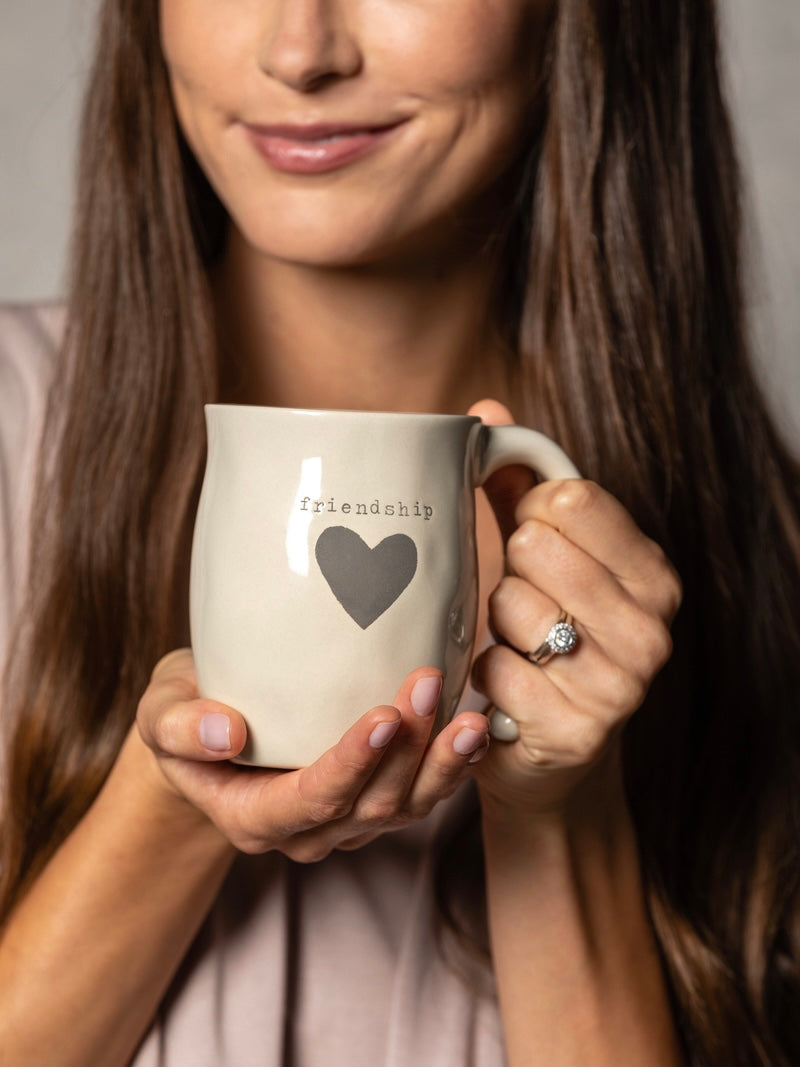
<point x="383" y="774"/>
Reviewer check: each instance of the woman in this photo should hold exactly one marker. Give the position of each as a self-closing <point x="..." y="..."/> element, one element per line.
<point x="411" y="205"/>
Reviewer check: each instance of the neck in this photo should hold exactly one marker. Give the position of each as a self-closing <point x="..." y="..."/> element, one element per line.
<point x="403" y="338"/>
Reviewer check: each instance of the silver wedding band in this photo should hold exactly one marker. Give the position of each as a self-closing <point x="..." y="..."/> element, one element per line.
<point x="562" y="638"/>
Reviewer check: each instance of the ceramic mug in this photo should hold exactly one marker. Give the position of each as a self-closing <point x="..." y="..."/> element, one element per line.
<point x="333" y="553"/>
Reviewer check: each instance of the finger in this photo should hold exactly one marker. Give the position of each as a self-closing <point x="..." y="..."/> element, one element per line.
<point x="553" y="728"/>
<point x="522" y="617"/>
<point x="597" y="522"/>
<point x="589" y="674"/>
<point x="326" y="791"/>
<point x="520" y="614"/>
<point x="264" y="808"/>
<point x="567" y="703"/>
<point x="385" y="795"/>
<point x="448" y="762"/>
<point x="174" y="721"/>
<point x="446" y="765"/>
<point x="603" y="609"/>
<point x="506" y="487"/>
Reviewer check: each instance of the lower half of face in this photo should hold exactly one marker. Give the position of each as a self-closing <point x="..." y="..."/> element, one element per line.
<point x="350" y="131"/>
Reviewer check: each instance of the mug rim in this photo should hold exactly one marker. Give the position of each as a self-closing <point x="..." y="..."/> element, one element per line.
<point x="432" y="416"/>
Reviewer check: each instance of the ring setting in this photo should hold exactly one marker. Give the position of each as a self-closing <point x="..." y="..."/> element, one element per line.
<point x="562" y="638"/>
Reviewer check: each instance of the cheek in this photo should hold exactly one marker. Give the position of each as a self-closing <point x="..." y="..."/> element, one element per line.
<point x="203" y="50"/>
<point x="181" y="35"/>
<point x="466" y="50"/>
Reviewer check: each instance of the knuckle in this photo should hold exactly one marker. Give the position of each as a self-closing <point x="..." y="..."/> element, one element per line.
<point x="571" y="497"/>
<point x="539" y="758"/>
<point x="164" y="731"/>
<point x="178" y="657"/>
<point x="624" y="692"/>
<point x="655" y="645"/>
<point x="661" y="648"/>
<point x="415" y="810"/>
<point x="500" y="674"/>
<point x="323" y="810"/>
<point x="666" y="583"/>
<point x="346" y="768"/>
<point x="376" y="810"/>
<point x="311" y="851"/>
<point x="250" y="835"/>
<point x="587" y="736"/>
<point x="250" y="846"/>
<point x="407" y="817"/>
<point x="503" y="595"/>
<point x="523" y="541"/>
<point x="352" y="844"/>
<point x="673" y="593"/>
<point x="420" y="806"/>
<point x="321" y="804"/>
<point x="498" y="597"/>
<point x="144" y="711"/>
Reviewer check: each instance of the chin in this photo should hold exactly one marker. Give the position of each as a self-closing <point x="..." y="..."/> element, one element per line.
<point x="323" y="246"/>
<point x="336" y="241"/>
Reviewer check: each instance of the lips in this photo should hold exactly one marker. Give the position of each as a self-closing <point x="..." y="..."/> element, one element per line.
<point x="315" y="149"/>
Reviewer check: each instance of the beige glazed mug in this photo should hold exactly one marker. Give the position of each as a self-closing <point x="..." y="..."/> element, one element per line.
<point x="333" y="553"/>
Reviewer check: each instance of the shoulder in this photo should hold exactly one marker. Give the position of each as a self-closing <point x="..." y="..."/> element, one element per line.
<point x="30" y="341"/>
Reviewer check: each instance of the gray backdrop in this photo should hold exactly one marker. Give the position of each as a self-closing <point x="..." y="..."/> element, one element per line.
<point x="43" y="49"/>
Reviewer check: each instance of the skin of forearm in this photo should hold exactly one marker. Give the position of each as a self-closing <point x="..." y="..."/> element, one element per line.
<point x="579" y="976"/>
<point x="87" y="956"/>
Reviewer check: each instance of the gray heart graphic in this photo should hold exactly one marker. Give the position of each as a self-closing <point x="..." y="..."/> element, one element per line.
<point x="366" y="581"/>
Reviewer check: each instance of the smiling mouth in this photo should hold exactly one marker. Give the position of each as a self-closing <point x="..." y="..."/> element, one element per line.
<point x="316" y="149"/>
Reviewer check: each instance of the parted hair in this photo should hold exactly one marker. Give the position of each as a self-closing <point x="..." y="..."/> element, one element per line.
<point x="622" y="258"/>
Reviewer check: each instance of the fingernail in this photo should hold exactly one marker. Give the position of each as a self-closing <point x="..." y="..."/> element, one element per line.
<point x="480" y="753"/>
<point x="467" y="740"/>
<point x="215" y="732"/>
<point x="425" y="694"/>
<point x="502" y="727"/>
<point x="383" y="733"/>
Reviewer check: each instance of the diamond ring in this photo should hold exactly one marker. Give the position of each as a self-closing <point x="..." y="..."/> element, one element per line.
<point x="561" y="639"/>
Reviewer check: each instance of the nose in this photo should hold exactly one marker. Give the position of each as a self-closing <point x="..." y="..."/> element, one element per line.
<point x="307" y="42"/>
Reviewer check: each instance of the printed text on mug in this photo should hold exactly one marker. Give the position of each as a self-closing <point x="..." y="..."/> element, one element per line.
<point x="376" y="507"/>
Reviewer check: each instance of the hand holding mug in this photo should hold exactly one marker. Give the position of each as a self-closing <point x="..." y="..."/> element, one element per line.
<point x="385" y="772"/>
<point x="571" y="549"/>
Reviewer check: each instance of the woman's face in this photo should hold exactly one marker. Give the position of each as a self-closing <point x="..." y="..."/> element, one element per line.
<point x="348" y="131"/>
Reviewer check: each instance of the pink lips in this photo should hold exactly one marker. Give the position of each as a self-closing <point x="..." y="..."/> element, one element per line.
<point x="318" y="148"/>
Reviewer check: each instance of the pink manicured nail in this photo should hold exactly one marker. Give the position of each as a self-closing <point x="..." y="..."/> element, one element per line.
<point x="467" y="741"/>
<point x="215" y="732"/>
<point x="480" y="753"/>
<point x="383" y="734"/>
<point x="425" y="695"/>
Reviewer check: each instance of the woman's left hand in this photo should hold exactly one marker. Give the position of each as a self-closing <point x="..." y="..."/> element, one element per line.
<point x="573" y="548"/>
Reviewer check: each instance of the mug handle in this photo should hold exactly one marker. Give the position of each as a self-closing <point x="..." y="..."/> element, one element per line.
<point x="501" y="446"/>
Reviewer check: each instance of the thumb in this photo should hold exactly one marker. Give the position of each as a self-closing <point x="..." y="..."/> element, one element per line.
<point x="506" y="487"/>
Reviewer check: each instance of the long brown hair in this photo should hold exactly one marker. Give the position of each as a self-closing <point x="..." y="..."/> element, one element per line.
<point x="625" y="257"/>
